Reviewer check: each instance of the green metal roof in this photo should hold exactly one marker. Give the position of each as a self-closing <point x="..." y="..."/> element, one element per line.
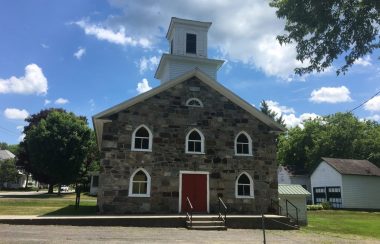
<point x="290" y="189"/>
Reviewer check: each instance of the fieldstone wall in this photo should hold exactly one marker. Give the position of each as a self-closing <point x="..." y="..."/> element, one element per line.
<point x="170" y="120"/>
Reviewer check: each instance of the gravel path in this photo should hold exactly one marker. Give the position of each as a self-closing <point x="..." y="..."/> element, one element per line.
<point x="74" y="234"/>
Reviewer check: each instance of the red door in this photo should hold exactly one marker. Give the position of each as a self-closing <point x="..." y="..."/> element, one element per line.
<point x="194" y="186"/>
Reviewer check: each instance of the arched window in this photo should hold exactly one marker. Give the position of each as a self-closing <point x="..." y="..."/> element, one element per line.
<point x="195" y="142"/>
<point x="139" y="184"/>
<point x="244" y="186"/>
<point x="243" y="144"/>
<point x="194" y="102"/>
<point x="142" y="139"/>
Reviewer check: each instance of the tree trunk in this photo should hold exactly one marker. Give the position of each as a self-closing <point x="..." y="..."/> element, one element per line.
<point x="59" y="189"/>
<point x="27" y="180"/>
<point x="50" y="191"/>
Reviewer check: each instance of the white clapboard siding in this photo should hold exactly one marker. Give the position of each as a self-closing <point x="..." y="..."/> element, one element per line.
<point x="179" y="68"/>
<point x="325" y="175"/>
<point x="299" y="202"/>
<point x="361" y="191"/>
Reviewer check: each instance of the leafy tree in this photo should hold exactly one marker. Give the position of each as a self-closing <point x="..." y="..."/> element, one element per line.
<point x="340" y="135"/>
<point x="12" y="148"/>
<point x="272" y="114"/>
<point x="325" y="29"/>
<point x="56" y="146"/>
<point x="8" y="171"/>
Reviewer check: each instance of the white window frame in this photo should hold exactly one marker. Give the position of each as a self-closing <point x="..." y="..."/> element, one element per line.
<point x="148" y="179"/>
<point x="134" y="137"/>
<point x="202" y="142"/>
<point x="251" y="190"/>
<point x="194" y="99"/>
<point x="249" y="144"/>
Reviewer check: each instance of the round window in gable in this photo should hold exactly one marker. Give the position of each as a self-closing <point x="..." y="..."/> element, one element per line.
<point x="194" y="102"/>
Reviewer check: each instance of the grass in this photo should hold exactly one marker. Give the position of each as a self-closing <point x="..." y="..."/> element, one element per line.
<point x="47" y="204"/>
<point x="344" y="222"/>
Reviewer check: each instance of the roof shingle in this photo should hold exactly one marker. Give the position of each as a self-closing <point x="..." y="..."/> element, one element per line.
<point x="353" y="166"/>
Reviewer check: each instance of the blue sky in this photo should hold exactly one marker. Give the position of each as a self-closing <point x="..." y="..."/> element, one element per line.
<point x="86" y="56"/>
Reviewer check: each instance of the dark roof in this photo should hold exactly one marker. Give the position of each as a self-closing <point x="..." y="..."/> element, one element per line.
<point x="353" y="166"/>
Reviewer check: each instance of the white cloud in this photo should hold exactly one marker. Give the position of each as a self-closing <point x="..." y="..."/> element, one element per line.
<point x="143" y="86"/>
<point x="21" y="137"/>
<point x="331" y="95"/>
<point x="289" y="115"/>
<point x="366" y="61"/>
<point x="375" y="117"/>
<point x="81" y="51"/>
<point x="373" y="104"/>
<point x="14" y="113"/>
<point x="242" y="37"/>
<point x="43" y="45"/>
<point x="46" y="102"/>
<point x="33" y="81"/>
<point x="61" y="101"/>
<point x="20" y="127"/>
<point x="148" y="63"/>
<point x="113" y="36"/>
<point x="276" y="107"/>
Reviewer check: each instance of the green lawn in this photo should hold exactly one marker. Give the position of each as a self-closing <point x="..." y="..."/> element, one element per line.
<point x="344" y="222"/>
<point x="47" y="204"/>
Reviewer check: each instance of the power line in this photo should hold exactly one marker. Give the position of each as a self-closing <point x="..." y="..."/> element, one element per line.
<point x="377" y="93"/>
<point x="8" y="131"/>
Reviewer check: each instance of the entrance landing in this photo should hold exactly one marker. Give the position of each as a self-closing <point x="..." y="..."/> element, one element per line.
<point x="276" y="222"/>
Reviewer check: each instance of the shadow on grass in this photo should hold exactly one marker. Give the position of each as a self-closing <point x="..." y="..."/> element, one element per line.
<point x="72" y="211"/>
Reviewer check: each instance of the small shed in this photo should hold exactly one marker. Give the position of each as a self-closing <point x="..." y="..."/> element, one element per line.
<point x="292" y="199"/>
<point x="346" y="183"/>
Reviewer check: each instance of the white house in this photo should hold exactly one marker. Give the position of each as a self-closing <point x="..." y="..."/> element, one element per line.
<point x="346" y="183"/>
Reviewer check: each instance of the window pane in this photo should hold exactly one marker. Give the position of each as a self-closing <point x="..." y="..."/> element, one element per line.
<point x="142" y="132"/>
<point x="198" y="146"/>
<point x="190" y="146"/>
<point x="240" y="190"/>
<point x="194" y="136"/>
<point x="243" y="179"/>
<point x="138" y="142"/>
<point x="242" y="138"/>
<point x="239" y="148"/>
<point x="140" y="176"/>
<point x="246" y="190"/>
<point x="191" y="43"/>
<point x="145" y="144"/>
<point x="245" y="148"/>
<point x="135" y="188"/>
<point x="143" y="188"/>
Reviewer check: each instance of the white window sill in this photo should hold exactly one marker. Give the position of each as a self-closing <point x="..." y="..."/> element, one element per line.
<point x="138" y="195"/>
<point x="243" y="155"/>
<point x="198" y="153"/>
<point x="249" y="197"/>
<point x="141" y="150"/>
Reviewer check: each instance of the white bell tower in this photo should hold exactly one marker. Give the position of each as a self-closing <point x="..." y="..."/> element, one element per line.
<point x="188" y="50"/>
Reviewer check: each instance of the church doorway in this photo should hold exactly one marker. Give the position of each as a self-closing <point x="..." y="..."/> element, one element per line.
<point x="194" y="185"/>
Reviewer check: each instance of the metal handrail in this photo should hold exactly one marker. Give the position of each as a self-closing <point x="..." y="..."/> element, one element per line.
<point x="189" y="216"/>
<point x="221" y="203"/>
<point x="287" y="212"/>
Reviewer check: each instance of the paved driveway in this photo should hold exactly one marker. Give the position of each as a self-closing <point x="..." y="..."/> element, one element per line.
<point x="73" y="234"/>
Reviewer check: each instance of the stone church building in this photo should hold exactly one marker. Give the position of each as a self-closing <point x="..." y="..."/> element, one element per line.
<point x="189" y="138"/>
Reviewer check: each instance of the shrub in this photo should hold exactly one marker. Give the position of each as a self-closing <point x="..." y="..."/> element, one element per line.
<point x="326" y="205"/>
<point x="315" y="207"/>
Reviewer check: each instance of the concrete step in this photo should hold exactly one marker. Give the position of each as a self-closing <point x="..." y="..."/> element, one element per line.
<point x="205" y="223"/>
<point x="207" y="228"/>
